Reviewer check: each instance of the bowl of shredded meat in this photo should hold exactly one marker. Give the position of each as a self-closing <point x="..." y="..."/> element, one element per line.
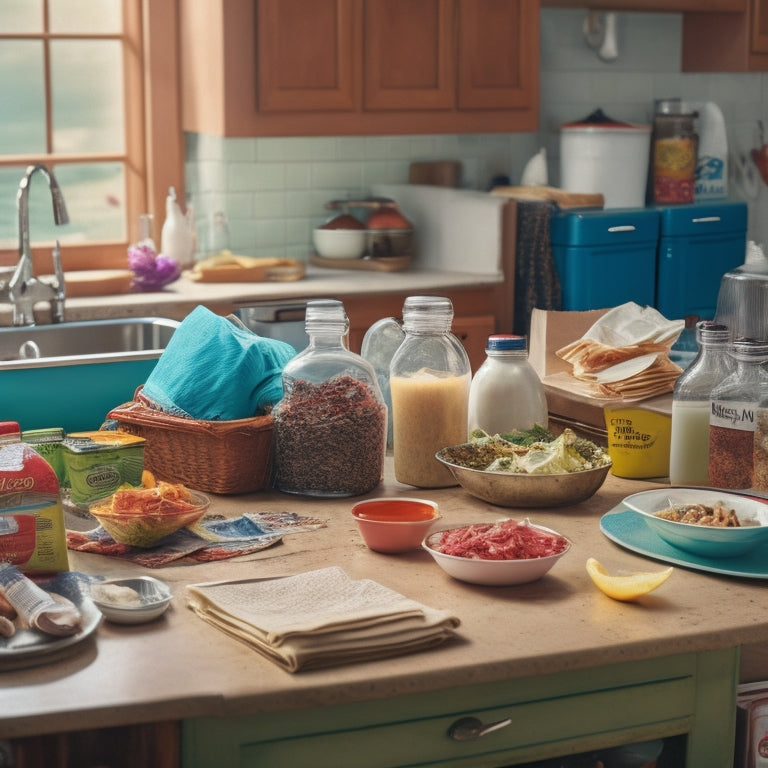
<point x="502" y="553"/>
<point x="545" y="472"/>
<point x="704" y="522"/>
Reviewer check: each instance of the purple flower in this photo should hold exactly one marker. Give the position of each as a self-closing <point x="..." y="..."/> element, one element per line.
<point x="150" y="271"/>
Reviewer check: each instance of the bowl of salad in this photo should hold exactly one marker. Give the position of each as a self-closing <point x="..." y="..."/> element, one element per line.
<point x="545" y="471"/>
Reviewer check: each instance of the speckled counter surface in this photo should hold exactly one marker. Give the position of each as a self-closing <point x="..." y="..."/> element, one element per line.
<point x="180" y="298"/>
<point x="179" y="667"/>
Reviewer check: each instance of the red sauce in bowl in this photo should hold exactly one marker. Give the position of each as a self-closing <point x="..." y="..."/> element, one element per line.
<point x="395" y="511"/>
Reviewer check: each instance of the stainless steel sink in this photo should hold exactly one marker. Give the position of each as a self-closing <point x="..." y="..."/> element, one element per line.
<point x="71" y="374"/>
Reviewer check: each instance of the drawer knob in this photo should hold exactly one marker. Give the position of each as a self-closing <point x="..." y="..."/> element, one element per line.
<point x="470" y="728"/>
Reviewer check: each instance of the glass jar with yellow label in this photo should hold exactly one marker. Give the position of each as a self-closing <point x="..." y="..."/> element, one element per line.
<point x="675" y="151"/>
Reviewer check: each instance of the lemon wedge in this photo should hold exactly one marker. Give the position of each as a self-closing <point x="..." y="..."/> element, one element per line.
<point x="626" y="586"/>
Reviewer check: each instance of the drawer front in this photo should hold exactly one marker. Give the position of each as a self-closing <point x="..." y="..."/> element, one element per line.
<point x="604" y="718"/>
<point x="551" y="716"/>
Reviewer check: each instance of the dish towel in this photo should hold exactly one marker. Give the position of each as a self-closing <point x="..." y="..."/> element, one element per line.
<point x="215" y="370"/>
<point x="320" y="618"/>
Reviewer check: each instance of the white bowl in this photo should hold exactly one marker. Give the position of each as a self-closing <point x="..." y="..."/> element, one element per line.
<point x="339" y="243"/>
<point x="152" y="599"/>
<point x="492" y="572"/>
<point x="703" y="540"/>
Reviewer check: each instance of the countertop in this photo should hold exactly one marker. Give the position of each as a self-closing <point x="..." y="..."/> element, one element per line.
<point x="178" y="666"/>
<point x="178" y="299"/>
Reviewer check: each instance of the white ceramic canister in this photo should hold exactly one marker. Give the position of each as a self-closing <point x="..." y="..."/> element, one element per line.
<point x="604" y="156"/>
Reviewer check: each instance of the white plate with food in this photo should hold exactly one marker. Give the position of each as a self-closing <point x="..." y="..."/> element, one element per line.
<point x="29" y="647"/>
<point x="706" y="522"/>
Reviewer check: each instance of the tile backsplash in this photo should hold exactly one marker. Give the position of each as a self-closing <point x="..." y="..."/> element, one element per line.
<point x="273" y="190"/>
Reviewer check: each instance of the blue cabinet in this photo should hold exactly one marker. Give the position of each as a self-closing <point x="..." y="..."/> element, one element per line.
<point x="671" y="258"/>
<point x="698" y="244"/>
<point x="605" y="258"/>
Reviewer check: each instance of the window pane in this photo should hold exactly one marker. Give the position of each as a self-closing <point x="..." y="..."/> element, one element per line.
<point x="87" y="82"/>
<point x="9" y="184"/>
<point x="95" y="198"/>
<point x="85" y="16"/>
<point x="22" y="118"/>
<point x="94" y="195"/>
<point x="21" y="16"/>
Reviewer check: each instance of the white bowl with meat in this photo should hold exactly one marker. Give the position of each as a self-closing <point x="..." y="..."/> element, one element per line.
<point x="704" y="522"/>
<point x="502" y="553"/>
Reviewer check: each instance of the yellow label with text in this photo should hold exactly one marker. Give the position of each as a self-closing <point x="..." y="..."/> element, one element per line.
<point x="638" y="442"/>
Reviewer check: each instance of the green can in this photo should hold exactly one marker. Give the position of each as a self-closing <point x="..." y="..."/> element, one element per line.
<point x="99" y="463"/>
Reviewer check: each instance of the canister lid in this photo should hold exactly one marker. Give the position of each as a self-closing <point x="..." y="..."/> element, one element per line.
<point x="599" y="121"/>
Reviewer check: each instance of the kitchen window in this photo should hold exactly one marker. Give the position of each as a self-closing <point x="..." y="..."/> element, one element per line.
<point x="89" y="88"/>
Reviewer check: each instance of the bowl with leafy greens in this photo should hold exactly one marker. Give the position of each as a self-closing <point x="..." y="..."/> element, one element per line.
<point x="530" y="468"/>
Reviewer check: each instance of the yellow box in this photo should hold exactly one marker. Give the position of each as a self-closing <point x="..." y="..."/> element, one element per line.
<point x="638" y="441"/>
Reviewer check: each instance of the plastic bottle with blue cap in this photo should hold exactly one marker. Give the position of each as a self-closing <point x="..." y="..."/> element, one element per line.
<point x="506" y="393"/>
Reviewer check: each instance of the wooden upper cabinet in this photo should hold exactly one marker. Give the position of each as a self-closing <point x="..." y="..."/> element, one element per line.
<point x="671" y="6"/>
<point x="494" y="73"/>
<point x="727" y="42"/>
<point x="760" y="26"/>
<point x="409" y="54"/>
<point x="307" y="55"/>
<point x="359" y="67"/>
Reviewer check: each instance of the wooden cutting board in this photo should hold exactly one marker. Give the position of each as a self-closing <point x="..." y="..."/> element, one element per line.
<point x="235" y="269"/>
<point x="97" y="282"/>
<point x="553" y="194"/>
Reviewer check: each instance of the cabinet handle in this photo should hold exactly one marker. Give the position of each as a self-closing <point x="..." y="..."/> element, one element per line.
<point x="470" y="728"/>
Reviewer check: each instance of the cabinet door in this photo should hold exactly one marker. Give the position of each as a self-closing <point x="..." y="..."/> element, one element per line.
<point x="307" y="54"/>
<point x="498" y="54"/>
<point x="409" y="54"/>
<point x="760" y="26"/>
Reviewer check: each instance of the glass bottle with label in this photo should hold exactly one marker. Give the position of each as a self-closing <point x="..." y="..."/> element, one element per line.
<point x="506" y="393"/>
<point x="733" y="417"/>
<point x="429" y="383"/>
<point x="689" y="443"/>
<point x="330" y="426"/>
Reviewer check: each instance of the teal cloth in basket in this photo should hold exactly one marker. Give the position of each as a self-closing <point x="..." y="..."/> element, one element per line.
<point x="214" y="370"/>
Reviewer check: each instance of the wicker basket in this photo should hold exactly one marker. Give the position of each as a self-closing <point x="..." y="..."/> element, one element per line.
<point x="223" y="457"/>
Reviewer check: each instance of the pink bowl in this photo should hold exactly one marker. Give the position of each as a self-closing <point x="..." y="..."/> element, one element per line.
<point x="395" y="524"/>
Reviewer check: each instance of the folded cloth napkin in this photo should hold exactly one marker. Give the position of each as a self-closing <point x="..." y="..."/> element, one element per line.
<point x="320" y="618"/>
<point x="214" y="370"/>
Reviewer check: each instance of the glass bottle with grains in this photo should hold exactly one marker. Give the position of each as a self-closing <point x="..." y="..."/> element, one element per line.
<point x="760" y="473"/>
<point x="506" y="393"/>
<point x="330" y="426"/>
<point x="732" y="421"/>
<point x="689" y="443"/>
<point x="429" y="382"/>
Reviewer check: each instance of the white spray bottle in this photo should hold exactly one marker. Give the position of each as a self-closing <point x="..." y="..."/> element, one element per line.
<point x="177" y="239"/>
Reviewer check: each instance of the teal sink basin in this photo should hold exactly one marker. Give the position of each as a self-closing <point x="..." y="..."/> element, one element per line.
<point x="71" y="375"/>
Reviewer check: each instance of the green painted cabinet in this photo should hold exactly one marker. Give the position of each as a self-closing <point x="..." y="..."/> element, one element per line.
<point x="567" y="713"/>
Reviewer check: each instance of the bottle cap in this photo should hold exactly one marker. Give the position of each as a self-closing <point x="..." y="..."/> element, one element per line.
<point x="500" y="342"/>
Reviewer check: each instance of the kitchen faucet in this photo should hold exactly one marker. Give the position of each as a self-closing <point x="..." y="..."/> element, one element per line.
<point x="24" y="290"/>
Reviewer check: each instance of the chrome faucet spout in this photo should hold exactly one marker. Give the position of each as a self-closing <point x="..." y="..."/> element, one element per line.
<point x="60" y="215"/>
<point x="24" y="289"/>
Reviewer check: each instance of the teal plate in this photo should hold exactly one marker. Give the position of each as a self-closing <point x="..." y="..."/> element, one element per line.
<point x="628" y="529"/>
